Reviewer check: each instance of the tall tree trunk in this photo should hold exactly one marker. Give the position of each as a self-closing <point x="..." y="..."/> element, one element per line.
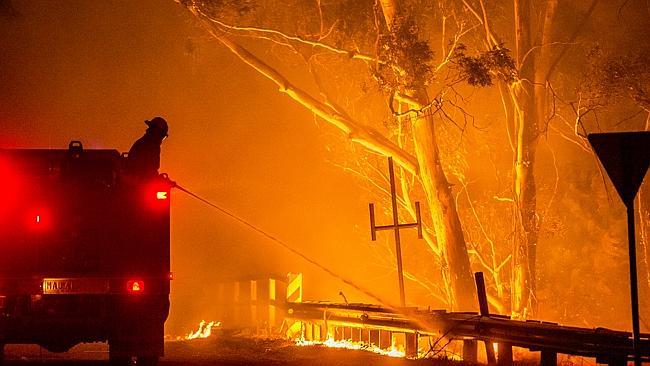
<point x="543" y="63"/>
<point x="525" y="198"/>
<point x="529" y="103"/>
<point x="530" y="97"/>
<point x="446" y="222"/>
<point x="523" y="94"/>
<point x="442" y="205"/>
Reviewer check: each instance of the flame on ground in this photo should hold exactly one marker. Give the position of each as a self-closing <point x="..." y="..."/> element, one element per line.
<point x="204" y="331"/>
<point x="348" y="344"/>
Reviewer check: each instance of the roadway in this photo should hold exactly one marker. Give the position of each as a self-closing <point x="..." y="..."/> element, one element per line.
<point x="224" y="351"/>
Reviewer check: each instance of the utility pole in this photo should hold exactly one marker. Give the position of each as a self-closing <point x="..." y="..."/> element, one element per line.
<point x="396" y="227"/>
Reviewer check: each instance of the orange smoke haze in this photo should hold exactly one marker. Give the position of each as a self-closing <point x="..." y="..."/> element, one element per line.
<point x="95" y="70"/>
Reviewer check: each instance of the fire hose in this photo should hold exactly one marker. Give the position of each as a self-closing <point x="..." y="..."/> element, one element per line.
<point x="279" y="242"/>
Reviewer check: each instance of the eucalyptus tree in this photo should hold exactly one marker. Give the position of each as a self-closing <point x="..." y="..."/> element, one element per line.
<point x="387" y="39"/>
<point x="389" y="75"/>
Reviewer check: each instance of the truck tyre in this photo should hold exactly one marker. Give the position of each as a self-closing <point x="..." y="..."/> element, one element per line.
<point x="147" y="361"/>
<point x="2" y="354"/>
<point x="119" y="360"/>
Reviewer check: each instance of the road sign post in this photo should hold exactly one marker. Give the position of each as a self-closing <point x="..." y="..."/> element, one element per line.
<point x="625" y="157"/>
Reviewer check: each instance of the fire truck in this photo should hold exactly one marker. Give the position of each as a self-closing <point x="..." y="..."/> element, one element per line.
<point x="84" y="253"/>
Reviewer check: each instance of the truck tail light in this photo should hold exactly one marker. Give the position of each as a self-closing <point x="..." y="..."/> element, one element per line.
<point x="157" y="193"/>
<point x="135" y="286"/>
<point x="39" y="219"/>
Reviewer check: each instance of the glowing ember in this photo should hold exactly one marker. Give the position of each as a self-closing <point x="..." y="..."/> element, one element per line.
<point x="204" y="331"/>
<point x="347" y="344"/>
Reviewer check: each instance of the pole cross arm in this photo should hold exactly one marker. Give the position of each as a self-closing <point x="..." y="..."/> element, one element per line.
<point x="374" y="227"/>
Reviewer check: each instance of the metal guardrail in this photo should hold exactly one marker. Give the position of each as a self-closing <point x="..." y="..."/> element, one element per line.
<point x="607" y="346"/>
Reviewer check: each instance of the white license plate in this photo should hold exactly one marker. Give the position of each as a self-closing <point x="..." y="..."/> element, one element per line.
<point x="74" y="286"/>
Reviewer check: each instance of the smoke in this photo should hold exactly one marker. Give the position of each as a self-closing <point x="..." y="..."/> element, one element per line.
<point x="94" y="71"/>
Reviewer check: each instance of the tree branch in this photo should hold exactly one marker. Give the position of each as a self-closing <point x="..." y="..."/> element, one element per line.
<point x="491" y="39"/>
<point x="350" y="54"/>
<point x="365" y="136"/>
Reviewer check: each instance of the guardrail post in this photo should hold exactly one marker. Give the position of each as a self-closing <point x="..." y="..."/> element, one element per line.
<point x="356" y="334"/>
<point x="385" y="339"/>
<point x="309" y="332"/>
<point x="411" y="347"/>
<point x="504" y="354"/>
<point x="318" y="332"/>
<point x="549" y="358"/>
<point x="365" y="335"/>
<point x="470" y="350"/>
<point x="485" y="311"/>
<point x="347" y="333"/>
<point x="374" y="337"/>
<point x="338" y="333"/>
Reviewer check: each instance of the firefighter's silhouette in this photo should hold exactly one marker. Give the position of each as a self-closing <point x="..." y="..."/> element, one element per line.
<point x="144" y="156"/>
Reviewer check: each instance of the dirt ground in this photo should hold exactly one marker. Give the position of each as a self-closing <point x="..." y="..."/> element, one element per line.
<point x="226" y="351"/>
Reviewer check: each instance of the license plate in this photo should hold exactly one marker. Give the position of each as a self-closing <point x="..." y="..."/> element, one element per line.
<point x="74" y="286"/>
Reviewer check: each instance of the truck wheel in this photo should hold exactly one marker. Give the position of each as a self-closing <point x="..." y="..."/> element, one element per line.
<point x="2" y="354"/>
<point x="147" y="361"/>
<point x="119" y="361"/>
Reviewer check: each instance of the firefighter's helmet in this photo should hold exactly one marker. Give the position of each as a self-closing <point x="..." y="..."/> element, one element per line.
<point x="158" y="125"/>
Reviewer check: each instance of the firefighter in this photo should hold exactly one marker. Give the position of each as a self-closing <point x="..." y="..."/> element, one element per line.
<point x="144" y="156"/>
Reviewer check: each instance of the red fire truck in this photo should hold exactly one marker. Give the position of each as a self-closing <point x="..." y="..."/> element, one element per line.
<point x="84" y="253"/>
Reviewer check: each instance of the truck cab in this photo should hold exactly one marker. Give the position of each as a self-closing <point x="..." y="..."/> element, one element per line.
<point x="84" y="252"/>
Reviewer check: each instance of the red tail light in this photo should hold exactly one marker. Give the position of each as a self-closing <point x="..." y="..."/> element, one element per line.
<point x="157" y="195"/>
<point x="135" y="286"/>
<point x="39" y="219"/>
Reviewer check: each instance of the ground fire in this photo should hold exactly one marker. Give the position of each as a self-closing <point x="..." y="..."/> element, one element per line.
<point x="332" y="343"/>
<point x="204" y="330"/>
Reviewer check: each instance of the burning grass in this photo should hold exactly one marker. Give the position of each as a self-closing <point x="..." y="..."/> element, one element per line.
<point x="204" y="330"/>
<point x="393" y="351"/>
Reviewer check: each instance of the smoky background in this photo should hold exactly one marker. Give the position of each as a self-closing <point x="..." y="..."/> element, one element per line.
<point x="94" y="71"/>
